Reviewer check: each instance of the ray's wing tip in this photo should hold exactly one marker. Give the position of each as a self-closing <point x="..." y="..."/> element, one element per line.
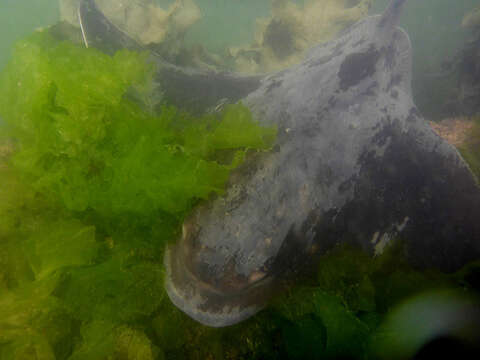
<point x="392" y="13"/>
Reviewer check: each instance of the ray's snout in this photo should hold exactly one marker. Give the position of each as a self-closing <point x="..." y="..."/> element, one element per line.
<point x="203" y="280"/>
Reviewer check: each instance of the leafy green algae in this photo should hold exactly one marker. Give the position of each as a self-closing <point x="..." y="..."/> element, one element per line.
<point x="319" y="318"/>
<point x="83" y="141"/>
<point x="94" y="188"/>
<point x="93" y="184"/>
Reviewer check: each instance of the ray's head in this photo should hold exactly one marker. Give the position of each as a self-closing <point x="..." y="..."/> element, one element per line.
<point x="208" y="274"/>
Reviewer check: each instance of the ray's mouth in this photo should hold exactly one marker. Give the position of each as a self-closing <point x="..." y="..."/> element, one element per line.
<point x="199" y="261"/>
<point x="213" y="303"/>
<point x="206" y="304"/>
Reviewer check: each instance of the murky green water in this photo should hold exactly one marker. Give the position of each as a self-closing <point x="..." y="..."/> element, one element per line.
<point x="100" y="167"/>
<point x="19" y="18"/>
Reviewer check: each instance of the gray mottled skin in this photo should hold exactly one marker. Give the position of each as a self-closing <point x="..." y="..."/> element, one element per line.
<point x="354" y="162"/>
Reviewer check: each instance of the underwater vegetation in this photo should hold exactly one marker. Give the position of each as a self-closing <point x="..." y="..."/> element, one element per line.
<point x="93" y="185"/>
<point x="93" y="190"/>
<point x="81" y="140"/>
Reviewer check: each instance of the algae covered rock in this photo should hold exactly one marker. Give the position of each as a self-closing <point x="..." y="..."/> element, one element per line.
<point x="143" y="20"/>
<point x="283" y="39"/>
<point x="280" y="40"/>
<point x="472" y="19"/>
<point x="464" y="99"/>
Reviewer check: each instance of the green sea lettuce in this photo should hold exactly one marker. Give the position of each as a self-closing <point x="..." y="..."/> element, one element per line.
<point x="114" y="290"/>
<point x="37" y="244"/>
<point x="93" y="184"/>
<point x="84" y="141"/>
<point x="104" y="340"/>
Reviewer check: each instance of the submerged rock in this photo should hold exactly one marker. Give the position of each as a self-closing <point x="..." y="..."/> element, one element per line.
<point x="143" y="20"/>
<point x="282" y="39"/>
<point x="464" y="96"/>
<point x="472" y="18"/>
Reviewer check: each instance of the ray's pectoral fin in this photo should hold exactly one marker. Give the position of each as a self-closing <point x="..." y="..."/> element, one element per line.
<point x="433" y="186"/>
<point x="417" y="189"/>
